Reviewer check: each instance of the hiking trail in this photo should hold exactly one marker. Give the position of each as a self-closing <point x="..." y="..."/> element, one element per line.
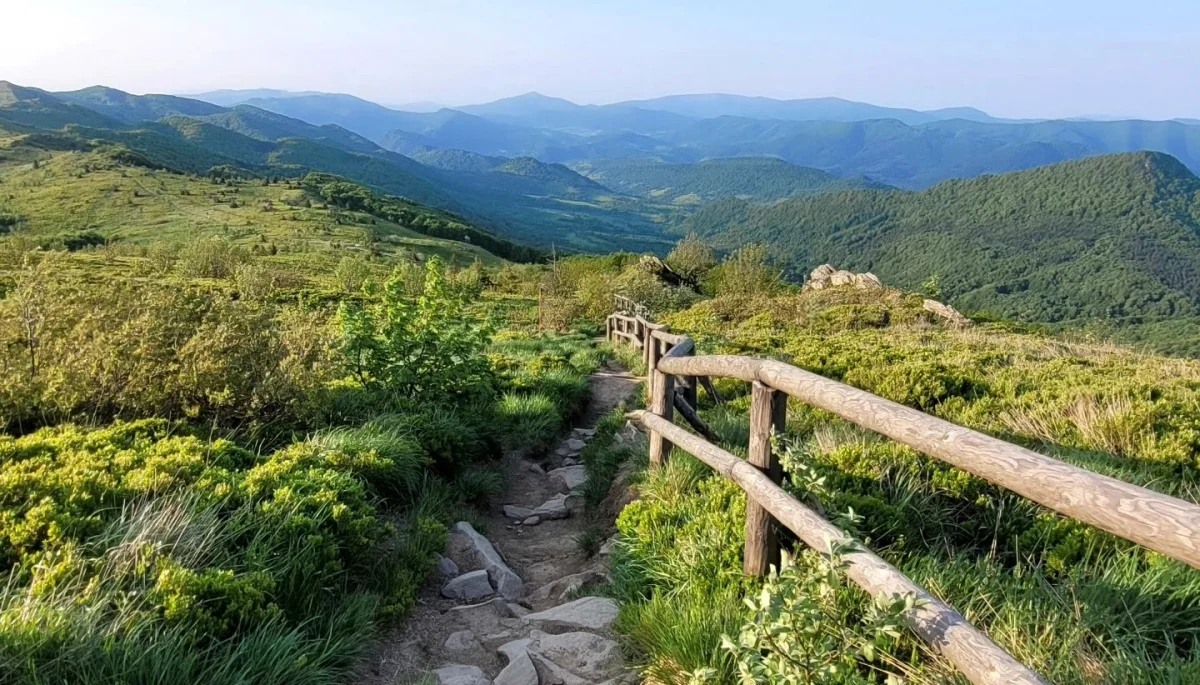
<point x="500" y="610"/>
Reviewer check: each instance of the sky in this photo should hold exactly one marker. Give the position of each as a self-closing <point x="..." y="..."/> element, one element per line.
<point x="1011" y="58"/>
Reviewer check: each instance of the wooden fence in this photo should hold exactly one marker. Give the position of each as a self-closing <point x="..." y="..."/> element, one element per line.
<point x="1164" y="524"/>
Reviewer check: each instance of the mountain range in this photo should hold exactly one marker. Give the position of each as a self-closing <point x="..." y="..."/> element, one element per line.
<point x="901" y="147"/>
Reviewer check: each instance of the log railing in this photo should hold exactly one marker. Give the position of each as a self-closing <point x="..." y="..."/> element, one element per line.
<point x="1164" y="524"/>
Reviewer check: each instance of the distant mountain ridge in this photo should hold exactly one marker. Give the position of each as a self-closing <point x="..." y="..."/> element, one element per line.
<point x="895" y="146"/>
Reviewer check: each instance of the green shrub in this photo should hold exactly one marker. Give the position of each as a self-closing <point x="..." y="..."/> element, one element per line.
<point x="410" y="348"/>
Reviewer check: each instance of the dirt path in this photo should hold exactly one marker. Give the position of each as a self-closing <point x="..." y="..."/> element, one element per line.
<point x="527" y="631"/>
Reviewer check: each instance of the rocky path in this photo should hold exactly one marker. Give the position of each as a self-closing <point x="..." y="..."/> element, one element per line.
<point x="502" y="611"/>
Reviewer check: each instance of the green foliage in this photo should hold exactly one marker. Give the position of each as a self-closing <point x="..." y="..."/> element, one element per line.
<point x="799" y="632"/>
<point x="407" y="213"/>
<point x="113" y="348"/>
<point x="1067" y="599"/>
<point x="1112" y="239"/>
<point x="692" y="259"/>
<point x="422" y="348"/>
<point x="747" y="271"/>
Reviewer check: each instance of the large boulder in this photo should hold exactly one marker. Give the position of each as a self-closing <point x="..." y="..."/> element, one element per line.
<point x="507" y="583"/>
<point x="826" y="276"/>
<point x="458" y="674"/>
<point x="585" y="613"/>
<point x="469" y="587"/>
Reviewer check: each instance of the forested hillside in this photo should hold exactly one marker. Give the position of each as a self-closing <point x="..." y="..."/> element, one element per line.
<point x="1114" y="238"/>
<point x="760" y="179"/>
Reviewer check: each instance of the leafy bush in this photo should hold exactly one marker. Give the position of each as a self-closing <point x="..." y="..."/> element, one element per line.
<point x="423" y="348"/>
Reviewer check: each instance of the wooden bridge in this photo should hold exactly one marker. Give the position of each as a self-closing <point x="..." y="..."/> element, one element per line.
<point x="1164" y="524"/>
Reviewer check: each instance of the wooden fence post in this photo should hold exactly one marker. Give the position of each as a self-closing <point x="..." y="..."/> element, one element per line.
<point x="662" y="401"/>
<point x="768" y="413"/>
<point x="691" y="387"/>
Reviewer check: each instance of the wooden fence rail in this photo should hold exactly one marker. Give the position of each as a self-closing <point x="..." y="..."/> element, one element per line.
<point x="1156" y="521"/>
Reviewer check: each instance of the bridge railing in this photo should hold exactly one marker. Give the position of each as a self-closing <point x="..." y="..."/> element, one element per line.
<point x="1158" y="522"/>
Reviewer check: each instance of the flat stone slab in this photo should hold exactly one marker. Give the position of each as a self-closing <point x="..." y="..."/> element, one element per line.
<point x="570" y="476"/>
<point x="552" y="509"/>
<point x="512" y="511"/>
<point x="469" y="587"/>
<point x="457" y="674"/>
<point x="585" y="613"/>
<point x="584" y="655"/>
<point x="504" y="579"/>
<point x="575" y="444"/>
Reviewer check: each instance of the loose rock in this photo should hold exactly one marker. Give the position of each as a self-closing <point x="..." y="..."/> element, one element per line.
<point x="575" y="444"/>
<point x="458" y="674"/>
<point x="519" y="671"/>
<point x="469" y="587"/>
<point x="561" y="588"/>
<point x="552" y="509"/>
<point x="514" y="512"/>
<point x="506" y="582"/>
<point x="531" y="521"/>
<point x="570" y="476"/>
<point x="446" y="567"/>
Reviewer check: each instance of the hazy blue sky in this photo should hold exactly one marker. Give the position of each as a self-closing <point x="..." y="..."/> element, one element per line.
<point x="1010" y="57"/>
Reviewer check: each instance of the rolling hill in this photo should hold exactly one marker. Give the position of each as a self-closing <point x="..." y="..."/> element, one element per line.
<point x="1113" y="238"/>
<point x="109" y="195"/>
<point x="529" y="201"/>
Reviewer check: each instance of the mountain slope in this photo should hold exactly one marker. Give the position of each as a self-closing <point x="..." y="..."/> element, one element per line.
<point x="103" y="195"/>
<point x="1115" y="237"/>
<point x="130" y="109"/>
<point x="762" y="179"/>
<point x="33" y="108"/>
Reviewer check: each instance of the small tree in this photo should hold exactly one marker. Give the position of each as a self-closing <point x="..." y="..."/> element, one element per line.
<point x="692" y="259"/>
<point x="748" y="271"/>
<point x="424" y="347"/>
